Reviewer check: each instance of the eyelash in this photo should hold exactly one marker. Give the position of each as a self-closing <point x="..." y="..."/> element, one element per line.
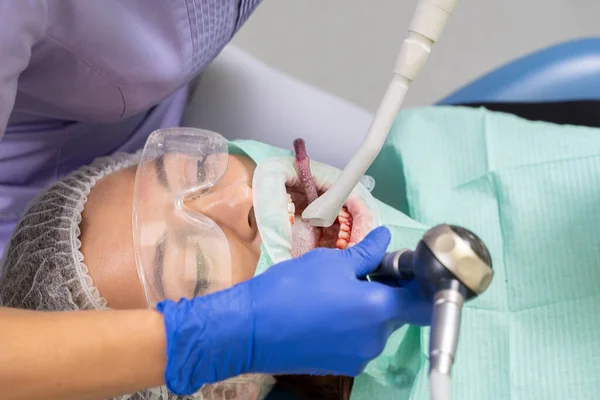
<point x="159" y="271"/>
<point x="200" y="171"/>
<point x="160" y="169"/>
<point x="202" y="283"/>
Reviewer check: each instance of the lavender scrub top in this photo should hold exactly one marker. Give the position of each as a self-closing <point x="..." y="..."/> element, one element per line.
<point x="82" y="79"/>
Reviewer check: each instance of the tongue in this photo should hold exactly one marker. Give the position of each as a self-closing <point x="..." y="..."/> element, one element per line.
<point x="337" y="235"/>
<point x="310" y="189"/>
<point x="305" y="237"/>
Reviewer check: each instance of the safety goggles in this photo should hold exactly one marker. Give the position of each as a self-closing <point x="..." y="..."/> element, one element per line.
<point x="180" y="253"/>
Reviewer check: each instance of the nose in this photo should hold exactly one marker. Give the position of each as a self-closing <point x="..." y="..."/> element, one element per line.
<point x="229" y="206"/>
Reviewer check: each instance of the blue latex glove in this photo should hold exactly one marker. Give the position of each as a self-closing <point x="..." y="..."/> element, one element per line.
<point x="309" y="315"/>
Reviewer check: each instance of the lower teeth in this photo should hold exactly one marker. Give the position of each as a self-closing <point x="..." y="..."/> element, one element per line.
<point x="345" y="220"/>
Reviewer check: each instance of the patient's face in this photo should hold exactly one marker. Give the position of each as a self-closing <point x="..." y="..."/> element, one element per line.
<point x="107" y="237"/>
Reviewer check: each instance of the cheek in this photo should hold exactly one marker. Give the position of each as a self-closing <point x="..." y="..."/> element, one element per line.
<point x="243" y="259"/>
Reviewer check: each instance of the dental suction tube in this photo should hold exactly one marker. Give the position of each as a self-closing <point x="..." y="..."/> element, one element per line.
<point x="451" y="265"/>
<point x="428" y="21"/>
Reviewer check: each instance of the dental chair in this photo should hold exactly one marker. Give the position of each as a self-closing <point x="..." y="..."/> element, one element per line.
<point x="568" y="71"/>
<point x="241" y="97"/>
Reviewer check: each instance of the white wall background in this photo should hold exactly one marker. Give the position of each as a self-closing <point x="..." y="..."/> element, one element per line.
<point x="348" y="47"/>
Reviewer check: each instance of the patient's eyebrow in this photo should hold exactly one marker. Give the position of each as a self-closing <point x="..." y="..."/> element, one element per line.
<point x="159" y="266"/>
<point x="161" y="172"/>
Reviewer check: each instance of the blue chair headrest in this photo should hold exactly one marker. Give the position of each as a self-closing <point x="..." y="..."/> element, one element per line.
<point x="563" y="72"/>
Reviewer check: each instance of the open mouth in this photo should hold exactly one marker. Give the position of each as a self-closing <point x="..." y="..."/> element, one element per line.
<point x="350" y="227"/>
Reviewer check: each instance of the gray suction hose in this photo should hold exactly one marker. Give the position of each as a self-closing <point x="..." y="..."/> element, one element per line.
<point x="428" y="21"/>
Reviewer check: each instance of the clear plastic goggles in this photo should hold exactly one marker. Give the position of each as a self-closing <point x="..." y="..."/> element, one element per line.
<point x="180" y="253"/>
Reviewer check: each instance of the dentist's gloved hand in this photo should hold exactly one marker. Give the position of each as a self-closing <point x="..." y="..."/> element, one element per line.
<point x="309" y="315"/>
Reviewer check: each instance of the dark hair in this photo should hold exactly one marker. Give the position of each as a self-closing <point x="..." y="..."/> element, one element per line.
<point x="312" y="387"/>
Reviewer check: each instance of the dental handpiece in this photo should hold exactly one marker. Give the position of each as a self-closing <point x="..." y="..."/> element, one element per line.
<point x="451" y="265"/>
<point x="428" y="21"/>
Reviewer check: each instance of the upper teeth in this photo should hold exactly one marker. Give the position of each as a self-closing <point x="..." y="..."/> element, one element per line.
<point x="291" y="208"/>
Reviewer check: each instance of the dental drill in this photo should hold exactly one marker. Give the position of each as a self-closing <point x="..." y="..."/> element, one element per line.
<point x="425" y="28"/>
<point x="451" y="265"/>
